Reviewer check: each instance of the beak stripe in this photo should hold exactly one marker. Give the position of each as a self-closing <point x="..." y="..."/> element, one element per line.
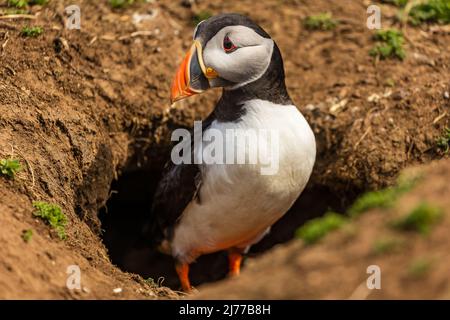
<point x="209" y="72"/>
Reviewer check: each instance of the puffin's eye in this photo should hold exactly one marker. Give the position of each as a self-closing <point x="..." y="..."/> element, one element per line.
<point x="228" y="45"/>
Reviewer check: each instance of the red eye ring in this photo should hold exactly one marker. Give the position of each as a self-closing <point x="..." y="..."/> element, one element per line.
<point x="228" y="45"/>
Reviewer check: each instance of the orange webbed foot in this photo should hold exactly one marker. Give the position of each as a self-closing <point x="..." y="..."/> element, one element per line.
<point x="183" y="274"/>
<point x="234" y="261"/>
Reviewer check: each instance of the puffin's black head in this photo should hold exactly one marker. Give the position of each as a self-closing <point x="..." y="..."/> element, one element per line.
<point x="229" y="51"/>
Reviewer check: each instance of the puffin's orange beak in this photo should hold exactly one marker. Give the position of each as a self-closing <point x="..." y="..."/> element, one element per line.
<point x="192" y="75"/>
<point x="180" y="85"/>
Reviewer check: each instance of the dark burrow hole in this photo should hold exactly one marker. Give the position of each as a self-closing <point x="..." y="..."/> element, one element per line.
<point x="129" y="207"/>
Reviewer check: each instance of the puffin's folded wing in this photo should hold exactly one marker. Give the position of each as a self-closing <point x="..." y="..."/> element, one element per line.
<point x="179" y="185"/>
<point x="177" y="188"/>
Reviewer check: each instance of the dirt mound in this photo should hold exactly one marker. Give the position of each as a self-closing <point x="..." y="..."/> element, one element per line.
<point x="76" y="106"/>
<point x="412" y="265"/>
<point x="81" y="108"/>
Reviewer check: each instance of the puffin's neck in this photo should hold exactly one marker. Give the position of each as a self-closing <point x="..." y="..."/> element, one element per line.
<point x="270" y="87"/>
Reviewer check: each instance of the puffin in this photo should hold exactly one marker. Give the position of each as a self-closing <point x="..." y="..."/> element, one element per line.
<point x="204" y="207"/>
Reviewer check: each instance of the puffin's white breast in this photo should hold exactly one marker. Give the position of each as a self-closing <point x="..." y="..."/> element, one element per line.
<point x="238" y="202"/>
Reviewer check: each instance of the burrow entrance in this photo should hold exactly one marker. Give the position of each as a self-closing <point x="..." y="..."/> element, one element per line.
<point x="129" y="207"/>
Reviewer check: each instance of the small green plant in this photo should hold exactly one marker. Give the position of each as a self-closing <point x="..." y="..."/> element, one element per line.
<point x="419" y="268"/>
<point x="18" y="3"/>
<point x="316" y="229"/>
<point x="9" y="167"/>
<point x="120" y="3"/>
<point x="443" y="142"/>
<point x="321" y="21"/>
<point x="391" y="44"/>
<point x="24" y="3"/>
<point x="430" y="11"/>
<point x="398" y="3"/>
<point x="26" y="235"/>
<point x="384" y="198"/>
<point x="373" y="199"/>
<point x="386" y="245"/>
<point x="31" y="31"/>
<point x="151" y="282"/>
<point x="52" y="215"/>
<point x="38" y="2"/>
<point x="200" y="16"/>
<point x="420" y="219"/>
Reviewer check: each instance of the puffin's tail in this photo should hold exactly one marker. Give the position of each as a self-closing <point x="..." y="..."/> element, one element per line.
<point x="150" y="236"/>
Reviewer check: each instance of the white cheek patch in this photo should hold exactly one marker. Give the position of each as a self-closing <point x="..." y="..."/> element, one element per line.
<point x="248" y="63"/>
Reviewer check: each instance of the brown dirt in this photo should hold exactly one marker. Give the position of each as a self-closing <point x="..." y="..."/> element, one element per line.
<point x="78" y="117"/>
